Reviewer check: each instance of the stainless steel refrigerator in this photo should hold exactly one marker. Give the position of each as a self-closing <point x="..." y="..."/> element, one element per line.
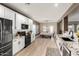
<point x="5" y="37"/>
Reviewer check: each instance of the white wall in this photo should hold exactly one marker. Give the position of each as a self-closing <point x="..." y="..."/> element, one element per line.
<point x="54" y="24"/>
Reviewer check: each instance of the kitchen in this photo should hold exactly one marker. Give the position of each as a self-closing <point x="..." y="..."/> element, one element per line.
<point x="21" y="30"/>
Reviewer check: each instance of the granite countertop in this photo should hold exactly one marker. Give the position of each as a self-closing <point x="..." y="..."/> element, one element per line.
<point x="73" y="46"/>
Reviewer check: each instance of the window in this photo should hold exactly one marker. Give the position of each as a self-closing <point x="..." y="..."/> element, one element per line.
<point x="48" y="29"/>
<point x="77" y="29"/>
<point x="71" y="27"/>
<point x="44" y="28"/>
<point x="34" y="29"/>
<point x="51" y="29"/>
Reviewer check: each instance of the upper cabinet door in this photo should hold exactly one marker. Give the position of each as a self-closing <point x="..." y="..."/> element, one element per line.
<point x="26" y="20"/>
<point x="30" y="24"/>
<point x="9" y="14"/>
<point x="1" y="11"/>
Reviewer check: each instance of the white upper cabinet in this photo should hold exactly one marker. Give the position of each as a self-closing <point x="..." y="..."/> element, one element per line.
<point x="1" y="11"/>
<point x="30" y="24"/>
<point x="26" y="20"/>
<point x="9" y="14"/>
<point x="6" y="13"/>
<point x="23" y="20"/>
<point x="20" y="19"/>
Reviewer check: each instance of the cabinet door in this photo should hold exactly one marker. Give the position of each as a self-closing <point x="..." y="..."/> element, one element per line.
<point x="18" y="21"/>
<point x="30" y="24"/>
<point x="26" y="20"/>
<point x="22" y="43"/>
<point x="15" y="47"/>
<point x="9" y="14"/>
<point x="1" y="11"/>
<point x="32" y="37"/>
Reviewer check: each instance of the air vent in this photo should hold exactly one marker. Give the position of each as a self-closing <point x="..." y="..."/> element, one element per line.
<point x="27" y="4"/>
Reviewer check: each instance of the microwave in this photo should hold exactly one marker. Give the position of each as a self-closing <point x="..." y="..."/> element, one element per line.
<point x="24" y="26"/>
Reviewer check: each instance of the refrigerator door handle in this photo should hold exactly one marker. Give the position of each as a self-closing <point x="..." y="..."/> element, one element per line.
<point x="1" y="31"/>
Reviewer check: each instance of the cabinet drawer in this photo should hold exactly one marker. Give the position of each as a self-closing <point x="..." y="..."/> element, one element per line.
<point x="15" y="48"/>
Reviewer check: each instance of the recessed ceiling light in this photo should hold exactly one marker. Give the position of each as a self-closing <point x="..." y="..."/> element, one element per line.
<point x="56" y="4"/>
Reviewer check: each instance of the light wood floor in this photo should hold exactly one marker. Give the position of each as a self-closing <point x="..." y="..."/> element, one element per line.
<point x="38" y="47"/>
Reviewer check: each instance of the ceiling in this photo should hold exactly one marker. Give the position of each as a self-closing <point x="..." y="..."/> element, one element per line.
<point x="42" y="12"/>
<point x="74" y="15"/>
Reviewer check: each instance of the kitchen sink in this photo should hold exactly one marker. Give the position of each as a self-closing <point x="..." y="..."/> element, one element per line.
<point x="66" y="39"/>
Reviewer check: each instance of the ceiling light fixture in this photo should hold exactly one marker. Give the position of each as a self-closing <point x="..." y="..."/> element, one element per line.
<point x="56" y="4"/>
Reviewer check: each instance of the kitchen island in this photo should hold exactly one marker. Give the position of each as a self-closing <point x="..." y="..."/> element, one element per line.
<point x="73" y="47"/>
<point x="67" y="48"/>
